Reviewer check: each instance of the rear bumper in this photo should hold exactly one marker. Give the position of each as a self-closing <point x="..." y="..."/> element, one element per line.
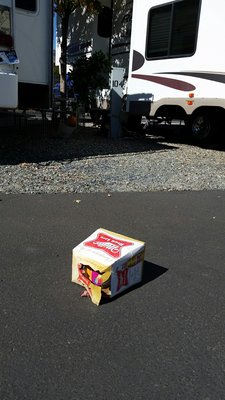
<point x="139" y="107"/>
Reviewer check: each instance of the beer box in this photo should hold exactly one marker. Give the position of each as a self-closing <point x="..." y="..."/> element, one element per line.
<point x="107" y="263"/>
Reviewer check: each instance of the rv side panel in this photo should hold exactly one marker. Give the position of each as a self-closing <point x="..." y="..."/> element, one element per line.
<point x="169" y="63"/>
<point x="33" y="43"/>
<point x="84" y="36"/>
<point x="121" y="32"/>
<point x="8" y="58"/>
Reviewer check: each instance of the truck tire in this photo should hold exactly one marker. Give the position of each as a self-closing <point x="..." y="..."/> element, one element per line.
<point x="201" y="127"/>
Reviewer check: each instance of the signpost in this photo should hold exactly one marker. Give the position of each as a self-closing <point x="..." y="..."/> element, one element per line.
<point x="117" y="80"/>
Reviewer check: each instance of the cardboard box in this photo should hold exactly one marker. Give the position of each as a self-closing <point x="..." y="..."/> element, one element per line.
<point x="107" y="263"/>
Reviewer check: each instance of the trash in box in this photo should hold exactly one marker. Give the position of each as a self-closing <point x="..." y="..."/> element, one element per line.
<point x="106" y="263"/>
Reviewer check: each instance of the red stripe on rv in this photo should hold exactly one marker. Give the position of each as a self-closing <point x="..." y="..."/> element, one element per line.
<point x="172" y="83"/>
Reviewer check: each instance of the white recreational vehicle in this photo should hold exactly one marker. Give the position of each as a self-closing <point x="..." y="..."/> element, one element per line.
<point x="177" y="62"/>
<point x="86" y="34"/>
<point x="26" y="40"/>
<point x="109" y="32"/>
<point x="174" y="58"/>
<point x="8" y="58"/>
<point x="121" y="33"/>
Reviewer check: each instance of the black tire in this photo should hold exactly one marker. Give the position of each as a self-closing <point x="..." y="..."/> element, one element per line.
<point x="134" y="126"/>
<point x="201" y="127"/>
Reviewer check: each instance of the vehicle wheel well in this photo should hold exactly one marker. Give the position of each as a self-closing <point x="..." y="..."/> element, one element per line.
<point x="171" y="111"/>
<point x="214" y="112"/>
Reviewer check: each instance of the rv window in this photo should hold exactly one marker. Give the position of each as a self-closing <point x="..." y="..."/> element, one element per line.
<point x="104" y="28"/>
<point x="172" y="29"/>
<point x="30" y="5"/>
<point x="5" y="24"/>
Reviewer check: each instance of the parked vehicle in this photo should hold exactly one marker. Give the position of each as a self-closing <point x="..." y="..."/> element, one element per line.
<point x="108" y="32"/>
<point x="172" y="57"/>
<point x="177" y="64"/>
<point x="8" y="58"/>
<point x="26" y="40"/>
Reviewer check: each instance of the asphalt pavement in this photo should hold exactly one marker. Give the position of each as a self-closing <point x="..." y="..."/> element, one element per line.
<point x="164" y="339"/>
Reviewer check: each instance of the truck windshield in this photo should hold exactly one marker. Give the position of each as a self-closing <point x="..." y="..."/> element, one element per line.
<point x="5" y="23"/>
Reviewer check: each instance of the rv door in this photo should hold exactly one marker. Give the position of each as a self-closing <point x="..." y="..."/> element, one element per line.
<point x="8" y="59"/>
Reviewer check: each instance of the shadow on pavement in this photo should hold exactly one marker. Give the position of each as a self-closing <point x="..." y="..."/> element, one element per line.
<point x="151" y="272"/>
<point x="34" y="146"/>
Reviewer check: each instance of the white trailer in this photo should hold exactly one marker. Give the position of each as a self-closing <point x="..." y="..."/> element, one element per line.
<point x="8" y="57"/>
<point x="177" y="62"/>
<point x="34" y="47"/>
<point x="109" y="32"/>
<point x="121" y="33"/>
<point x="86" y="34"/>
<point x="26" y="53"/>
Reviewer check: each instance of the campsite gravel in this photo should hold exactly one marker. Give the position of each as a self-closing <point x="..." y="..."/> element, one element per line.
<point x="34" y="162"/>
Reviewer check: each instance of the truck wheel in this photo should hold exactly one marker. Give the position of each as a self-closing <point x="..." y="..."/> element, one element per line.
<point x="201" y="127"/>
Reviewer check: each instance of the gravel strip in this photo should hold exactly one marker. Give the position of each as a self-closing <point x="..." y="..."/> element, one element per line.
<point x="34" y="162"/>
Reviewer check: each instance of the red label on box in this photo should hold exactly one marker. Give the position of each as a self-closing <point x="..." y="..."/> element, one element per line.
<point x="108" y="244"/>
